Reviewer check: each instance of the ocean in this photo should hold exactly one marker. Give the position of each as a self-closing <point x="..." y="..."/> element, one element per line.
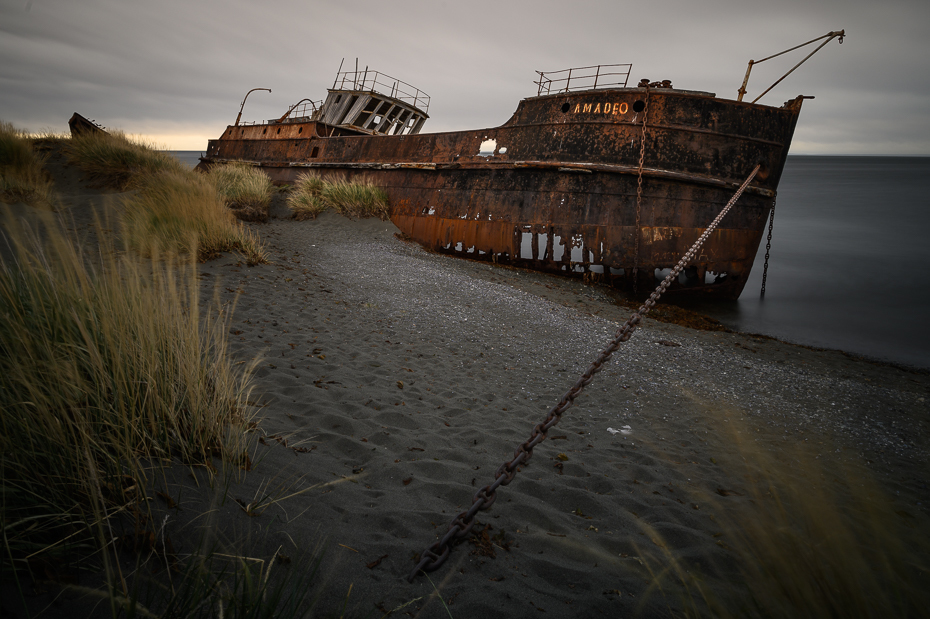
<point x="847" y="262"/>
<point x="846" y="271"/>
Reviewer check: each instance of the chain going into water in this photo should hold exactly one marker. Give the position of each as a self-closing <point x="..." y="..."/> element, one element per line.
<point x="639" y="194"/>
<point x="437" y="553"/>
<point x="768" y="247"/>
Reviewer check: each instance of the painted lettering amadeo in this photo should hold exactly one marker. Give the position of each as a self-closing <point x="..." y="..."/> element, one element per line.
<point x="597" y="108"/>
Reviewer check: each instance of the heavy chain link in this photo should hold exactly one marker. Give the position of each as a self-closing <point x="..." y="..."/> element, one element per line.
<point x="639" y="191"/>
<point x="437" y="553"/>
<point x="768" y="248"/>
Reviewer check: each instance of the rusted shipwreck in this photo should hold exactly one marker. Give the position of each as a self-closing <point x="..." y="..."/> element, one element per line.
<point x="589" y="177"/>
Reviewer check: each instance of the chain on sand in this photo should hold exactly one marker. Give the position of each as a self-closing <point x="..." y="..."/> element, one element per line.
<point x="436" y="554"/>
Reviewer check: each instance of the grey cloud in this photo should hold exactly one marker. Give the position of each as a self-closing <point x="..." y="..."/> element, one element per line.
<point x="145" y="65"/>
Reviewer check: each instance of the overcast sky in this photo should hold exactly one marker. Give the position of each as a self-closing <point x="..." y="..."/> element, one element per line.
<point x="175" y="71"/>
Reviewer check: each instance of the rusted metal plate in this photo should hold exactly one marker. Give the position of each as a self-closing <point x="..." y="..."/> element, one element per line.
<point x="554" y="188"/>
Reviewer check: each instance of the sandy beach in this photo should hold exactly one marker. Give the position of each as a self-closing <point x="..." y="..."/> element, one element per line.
<point x="394" y="382"/>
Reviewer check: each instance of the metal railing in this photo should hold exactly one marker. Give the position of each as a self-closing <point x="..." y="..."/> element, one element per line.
<point x="584" y="78"/>
<point x="298" y="111"/>
<point x="374" y="81"/>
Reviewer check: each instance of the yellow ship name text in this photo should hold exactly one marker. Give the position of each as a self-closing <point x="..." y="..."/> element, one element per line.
<point x="599" y="108"/>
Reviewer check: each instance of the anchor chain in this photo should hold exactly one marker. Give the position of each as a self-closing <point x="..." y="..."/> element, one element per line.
<point x="639" y="188"/>
<point x="437" y="553"/>
<point x="768" y="247"/>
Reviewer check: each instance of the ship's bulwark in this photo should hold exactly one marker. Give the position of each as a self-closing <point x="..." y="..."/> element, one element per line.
<point x="555" y="187"/>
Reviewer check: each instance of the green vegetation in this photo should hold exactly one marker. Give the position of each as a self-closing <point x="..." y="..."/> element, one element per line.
<point x="250" y="588"/>
<point x="305" y="199"/>
<point x="358" y="199"/>
<point x="180" y="211"/>
<point x="22" y="177"/>
<point x="113" y="371"/>
<point x="114" y="160"/>
<point x="102" y="368"/>
<point x="173" y="209"/>
<point x="244" y="189"/>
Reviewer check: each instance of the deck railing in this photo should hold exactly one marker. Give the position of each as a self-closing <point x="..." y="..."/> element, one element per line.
<point x="298" y="111"/>
<point x="584" y="78"/>
<point x="374" y="81"/>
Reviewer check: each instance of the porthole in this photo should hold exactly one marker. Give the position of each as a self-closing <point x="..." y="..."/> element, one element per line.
<point x="639" y="106"/>
<point x="566" y="107"/>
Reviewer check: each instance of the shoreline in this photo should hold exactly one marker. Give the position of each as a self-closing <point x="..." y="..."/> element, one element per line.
<point x="883" y="347"/>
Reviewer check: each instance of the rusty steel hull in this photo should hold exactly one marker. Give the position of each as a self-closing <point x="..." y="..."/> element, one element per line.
<point x="555" y="187"/>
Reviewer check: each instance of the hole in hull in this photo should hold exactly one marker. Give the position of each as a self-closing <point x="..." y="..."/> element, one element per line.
<point x="487" y="148"/>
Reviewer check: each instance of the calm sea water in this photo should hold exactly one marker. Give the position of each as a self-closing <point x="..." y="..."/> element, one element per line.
<point x="189" y="158"/>
<point x="848" y="261"/>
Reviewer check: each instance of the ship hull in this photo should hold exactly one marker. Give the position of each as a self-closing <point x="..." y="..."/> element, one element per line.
<point x="560" y="188"/>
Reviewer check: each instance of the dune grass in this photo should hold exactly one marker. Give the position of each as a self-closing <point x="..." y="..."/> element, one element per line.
<point x="179" y="211"/>
<point x="808" y="537"/>
<point x="243" y="188"/>
<point x="173" y="209"/>
<point x="312" y="195"/>
<point x="357" y="199"/>
<point x="106" y="363"/>
<point x="305" y="198"/>
<point x="22" y="176"/>
<point x="213" y="584"/>
<point x="114" y="160"/>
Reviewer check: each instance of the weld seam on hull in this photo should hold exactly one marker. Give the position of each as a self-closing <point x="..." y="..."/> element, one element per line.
<point x="557" y="166"/>
<point x="744" y="138"/>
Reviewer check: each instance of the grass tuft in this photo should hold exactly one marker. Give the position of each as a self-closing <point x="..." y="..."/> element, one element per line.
<point x="174" y="209"/>
<point x="106" y="362"/>
<point x="116" y="161"/>
<point x="177" y="211"/>
<point x="312" y="195"/>
<point x="355" y="200"/>
<point x="305" y="199"/>
<point x="22" y="176"/>
<point x="808" y="538"/>
<point x="244" y="189"/>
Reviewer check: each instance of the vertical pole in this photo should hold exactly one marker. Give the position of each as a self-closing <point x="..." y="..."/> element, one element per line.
<point x="337" y="73"/>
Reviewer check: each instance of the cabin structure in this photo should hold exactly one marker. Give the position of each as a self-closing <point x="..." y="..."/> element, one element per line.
<point x="369" y="102"/>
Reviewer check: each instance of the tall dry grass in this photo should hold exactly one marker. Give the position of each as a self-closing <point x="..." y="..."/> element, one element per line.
<point x="313" y="194"/>
<point x="173" y="209"/>
<point x="357" y="199"/>
<point x="244" y="189"/>
<point x="115" y="160"/>
<point x="305" y="199"/>
<point x="22" y="176"/>
<point x="809" y="537"/>
<point x="181" y="211"/>
<point x="105" y="363"/>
